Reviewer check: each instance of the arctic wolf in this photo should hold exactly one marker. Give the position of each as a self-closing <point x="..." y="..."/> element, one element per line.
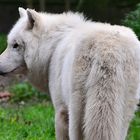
<point x="91" y="71"/>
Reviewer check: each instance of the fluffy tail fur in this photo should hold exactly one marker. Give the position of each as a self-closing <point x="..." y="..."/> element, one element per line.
<point x="104" y="99"/>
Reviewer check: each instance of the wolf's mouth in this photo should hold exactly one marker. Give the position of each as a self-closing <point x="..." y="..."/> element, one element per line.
<point x="17" y="70"/>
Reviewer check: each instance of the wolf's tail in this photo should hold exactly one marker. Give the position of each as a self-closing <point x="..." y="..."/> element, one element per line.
<point x="104" y="100"/>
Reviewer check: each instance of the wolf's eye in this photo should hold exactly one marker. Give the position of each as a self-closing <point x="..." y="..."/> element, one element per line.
<point x="15" y="45"/>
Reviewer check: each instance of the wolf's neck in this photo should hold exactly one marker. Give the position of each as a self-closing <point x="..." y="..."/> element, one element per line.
<point x="39" y="71"/>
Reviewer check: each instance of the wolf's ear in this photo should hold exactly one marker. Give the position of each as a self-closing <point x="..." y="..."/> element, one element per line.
<point x="22" y="11"/>
<point x="33" y="18"/>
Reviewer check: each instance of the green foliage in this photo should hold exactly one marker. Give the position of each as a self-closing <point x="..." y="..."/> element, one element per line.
<point x="32" y="122"/>
<point x="134" y="130"/>
<point x="2" y="43"/>
<point x="25" y="91"/>
<point x="132" y="20"/>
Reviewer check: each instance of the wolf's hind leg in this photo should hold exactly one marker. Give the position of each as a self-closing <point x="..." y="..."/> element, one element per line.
<point x="76" y="117"/>
<point x="61" y="124"/>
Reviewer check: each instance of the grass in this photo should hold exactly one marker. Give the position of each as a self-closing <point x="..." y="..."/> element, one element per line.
<point x="30" y="116"/>
<point x="29" y="122"/>
<point x="35" y="121"/>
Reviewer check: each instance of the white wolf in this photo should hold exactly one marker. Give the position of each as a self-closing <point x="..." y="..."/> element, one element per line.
<point x="91" y="70"/>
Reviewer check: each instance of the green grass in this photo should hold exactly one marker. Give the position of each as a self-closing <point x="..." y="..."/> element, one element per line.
<point x="36" y="122"/>
<point x="29" y="122"/>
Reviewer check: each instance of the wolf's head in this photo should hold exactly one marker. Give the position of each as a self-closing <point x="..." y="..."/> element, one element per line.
<point x="22" y="40"/>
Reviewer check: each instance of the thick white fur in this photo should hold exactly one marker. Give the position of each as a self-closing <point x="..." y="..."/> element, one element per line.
<point x="91" y="70"/>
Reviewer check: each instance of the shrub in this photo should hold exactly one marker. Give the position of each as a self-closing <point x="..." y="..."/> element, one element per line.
<point x="2" y="43"/>
<point x="25" y="91"/>
<point x="132" y="20"/>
